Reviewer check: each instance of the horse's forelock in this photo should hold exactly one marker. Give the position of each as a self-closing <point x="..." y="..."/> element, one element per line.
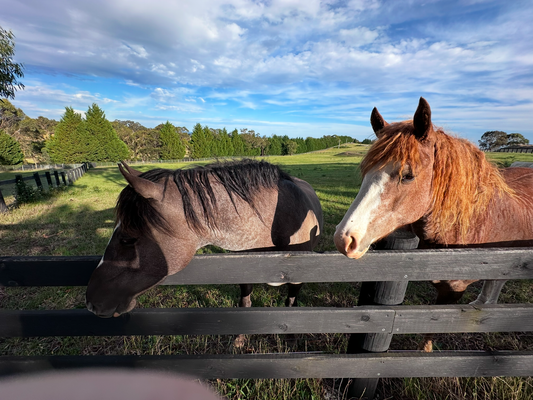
<point x="397" y="144"/>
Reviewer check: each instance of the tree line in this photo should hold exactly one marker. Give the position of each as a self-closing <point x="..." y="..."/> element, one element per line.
<point x="76" y="139"/>
<point x="495" y="140"/>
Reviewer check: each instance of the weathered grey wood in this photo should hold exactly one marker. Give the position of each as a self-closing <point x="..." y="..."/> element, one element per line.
<point x="390" y="293"/>
<point x="289" y="366"/>
<point x="225" y="321"/>
<point x="63" y="177"/>
<point x="384" y="293"/>
<point x="196" y="321"/>
<point x="464" y="318"/>
<point x="416" y="265"/>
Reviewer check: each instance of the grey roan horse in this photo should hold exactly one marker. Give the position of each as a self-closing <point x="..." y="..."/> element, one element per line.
<point x="164" y="216"/>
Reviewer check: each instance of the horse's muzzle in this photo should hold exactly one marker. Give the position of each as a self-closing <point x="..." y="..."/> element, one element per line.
<point x="348" y="245"/>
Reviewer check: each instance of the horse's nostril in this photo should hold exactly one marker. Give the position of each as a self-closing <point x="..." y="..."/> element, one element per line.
<point x="351" y="244"/>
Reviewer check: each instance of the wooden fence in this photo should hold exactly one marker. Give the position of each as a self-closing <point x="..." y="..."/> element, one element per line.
<point x="516" y="149"/>
<point x="393" y="265"/>
<point x="52" y="178"/>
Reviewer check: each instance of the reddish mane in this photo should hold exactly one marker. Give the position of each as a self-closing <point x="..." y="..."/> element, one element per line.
<point x="464" y="182"/>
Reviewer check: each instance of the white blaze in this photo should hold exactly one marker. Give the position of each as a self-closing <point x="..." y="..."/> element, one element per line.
<point x="357" y="219"/>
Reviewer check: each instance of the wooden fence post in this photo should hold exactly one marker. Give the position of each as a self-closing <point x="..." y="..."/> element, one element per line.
<point x="38" y="181"/>
<point x="49" y="180"/>
<point x="3" y="206"/>
<point x="378" y="293"/>
<point x="56" y="175"/>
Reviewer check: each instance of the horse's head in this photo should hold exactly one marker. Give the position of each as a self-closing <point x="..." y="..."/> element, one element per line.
<point x="397" y="182"/>
<point x="143" y="249"/>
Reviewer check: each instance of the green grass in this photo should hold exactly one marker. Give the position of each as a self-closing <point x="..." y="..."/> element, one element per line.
<point x="79" y="221"/>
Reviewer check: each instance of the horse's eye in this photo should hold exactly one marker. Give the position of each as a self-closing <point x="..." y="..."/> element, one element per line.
<point x="407" y="178"/>
<point x="128" y="241"/>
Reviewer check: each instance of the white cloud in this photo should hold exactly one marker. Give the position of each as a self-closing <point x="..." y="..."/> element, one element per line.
<point x="312" y="58"/>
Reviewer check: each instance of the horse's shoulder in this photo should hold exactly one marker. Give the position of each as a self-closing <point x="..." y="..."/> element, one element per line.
<point x="518" y="176"/>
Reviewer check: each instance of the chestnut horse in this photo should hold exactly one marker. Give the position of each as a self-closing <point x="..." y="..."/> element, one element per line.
<point x="416" y="174"/>
<point x="164" y="216"/>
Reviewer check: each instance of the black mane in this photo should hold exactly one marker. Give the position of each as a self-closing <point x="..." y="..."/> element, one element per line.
<point x="242" y="178"/>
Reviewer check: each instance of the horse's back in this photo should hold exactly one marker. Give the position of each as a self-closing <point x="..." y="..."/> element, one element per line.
<point x="298" y="220"/>
<point x="520" y="179"/>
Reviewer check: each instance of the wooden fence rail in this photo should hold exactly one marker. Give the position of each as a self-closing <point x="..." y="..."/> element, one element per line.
<point x="393" y="265"/>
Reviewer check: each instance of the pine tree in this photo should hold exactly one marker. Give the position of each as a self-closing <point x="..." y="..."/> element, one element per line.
<point x="10" y="151"/>
<point x="198" y="144"/>
<point x="172" y="147"/>
<point x="211" y="148"/>
<point x="62" y="146"/>
<point x="237" y="142"/>
<point x="225" y="145"/>
<point x="274" y="146"/>
<point x="93" y="139"/>
<point x="100" y="139"/>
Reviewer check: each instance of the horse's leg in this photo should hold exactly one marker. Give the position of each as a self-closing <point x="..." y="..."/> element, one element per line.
<point x="246" y="292"/>
<point x="490" y="292"/>
<point x="245" y="301"/>
<point x="448" y="292"/>
<point x="292" y="295"/>
<point x="292" y="301"/>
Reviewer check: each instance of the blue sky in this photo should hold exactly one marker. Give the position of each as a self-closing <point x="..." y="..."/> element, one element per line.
<point x="294" y="67"/>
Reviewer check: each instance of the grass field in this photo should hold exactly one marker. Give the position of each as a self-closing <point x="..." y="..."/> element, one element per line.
<point x="79" y="221"/>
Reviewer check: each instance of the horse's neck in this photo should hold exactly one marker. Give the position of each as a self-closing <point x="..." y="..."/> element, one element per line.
<point x="238" y="226"/>
<point x="507" y="218"/>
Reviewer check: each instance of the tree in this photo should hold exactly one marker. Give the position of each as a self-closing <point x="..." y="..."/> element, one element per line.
<point x="237" y="143"/>
<point x="274" y="146"/>
<point x="93" y="139"/>
<point x="199" y="147"/>
<point x="9" y="70"/>
<point x="10" y="116"/>
<point x="492" y="140"/>
<point x="172" y="147"/>
<point x="254" y="144"/>
<point x="290" y="147"/>
<point x="224" y="146"/>
<point x="211" y="146"/>
<point x="10" y="152"/>
<point x="143" y="143"/>
<point x="62" y="146"/>
<point x="516" y="139"/>
<point x="101" y="141"/>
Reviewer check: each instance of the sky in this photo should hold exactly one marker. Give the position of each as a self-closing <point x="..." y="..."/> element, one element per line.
<point x="287" y="67"/>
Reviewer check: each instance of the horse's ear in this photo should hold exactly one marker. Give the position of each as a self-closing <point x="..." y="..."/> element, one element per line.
<point x="144" y="187"/>
<point x="377" y="122"/>
<point x="422" y="119"/>
<point x="130" y="169"/>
